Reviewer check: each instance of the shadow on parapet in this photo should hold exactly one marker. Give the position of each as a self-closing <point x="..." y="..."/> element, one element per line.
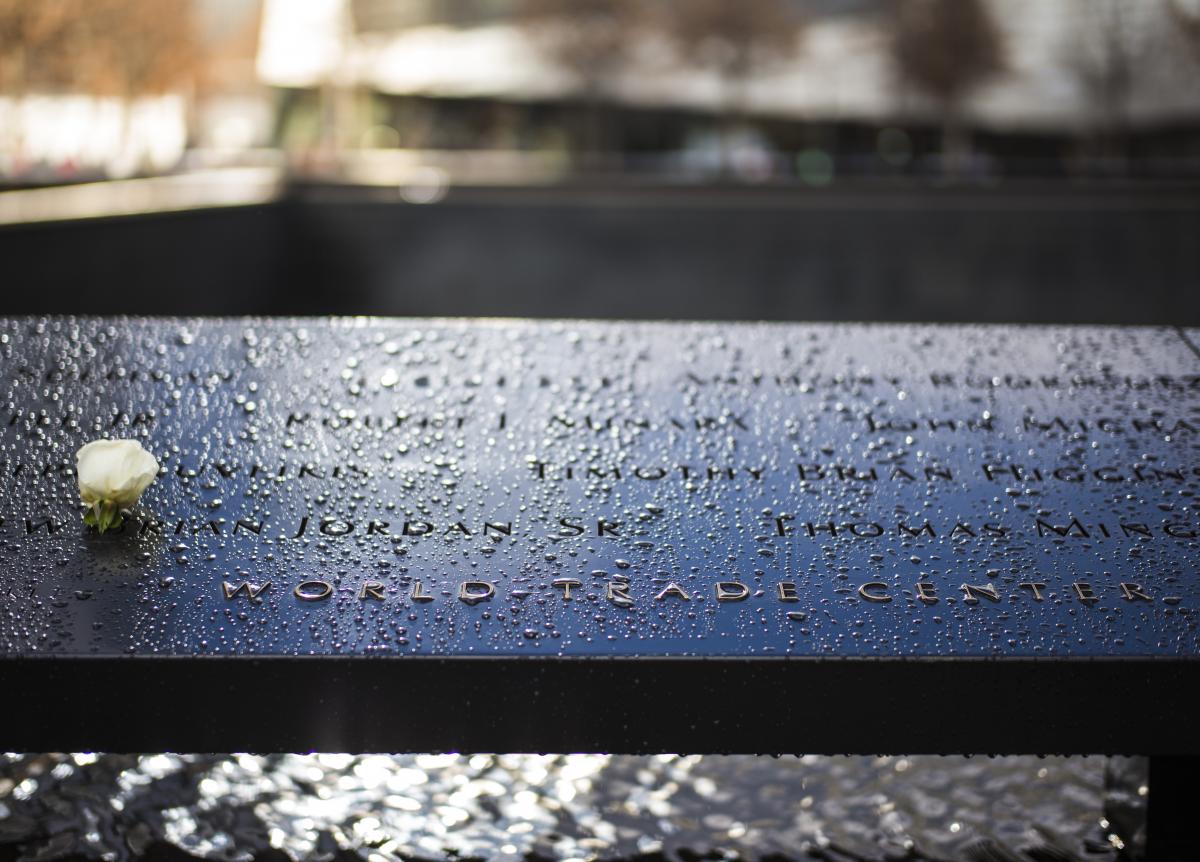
<point x="1027" y="255"/>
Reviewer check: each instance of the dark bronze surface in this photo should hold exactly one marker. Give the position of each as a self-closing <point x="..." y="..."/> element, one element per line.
<point x="565" y="535"/>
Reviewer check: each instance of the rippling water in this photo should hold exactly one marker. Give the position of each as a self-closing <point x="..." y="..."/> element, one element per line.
<point x="509" y="807"/>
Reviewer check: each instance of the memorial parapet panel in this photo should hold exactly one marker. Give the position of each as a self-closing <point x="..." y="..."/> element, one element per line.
<point x="424" y="490"/>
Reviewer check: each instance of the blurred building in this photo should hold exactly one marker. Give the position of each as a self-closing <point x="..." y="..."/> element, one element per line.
<point x="839" y="69"/>
<point x="513" y="75"/>
<point x="523" y="91"/>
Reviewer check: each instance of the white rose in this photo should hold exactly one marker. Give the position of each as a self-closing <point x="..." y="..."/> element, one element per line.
<point x="112" y="475"/>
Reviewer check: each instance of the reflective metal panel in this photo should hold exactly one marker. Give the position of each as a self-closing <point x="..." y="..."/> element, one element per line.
<point x="431" y="488"/>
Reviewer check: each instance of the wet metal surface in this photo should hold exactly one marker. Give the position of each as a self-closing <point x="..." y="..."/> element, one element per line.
<point x="873" y="491"/>
<point x="487" y="807"/>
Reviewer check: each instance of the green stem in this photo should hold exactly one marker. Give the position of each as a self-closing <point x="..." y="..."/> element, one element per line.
<point x="103" y="516"/>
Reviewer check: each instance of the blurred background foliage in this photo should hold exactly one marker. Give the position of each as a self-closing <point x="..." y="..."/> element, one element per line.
<point x="124" y="48"/>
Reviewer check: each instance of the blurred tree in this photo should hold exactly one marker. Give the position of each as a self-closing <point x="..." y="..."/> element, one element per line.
<point x="589" y="38"/>
<point x="33" y="39"/>
<point x="103" y="47"/>
<point x="1105" y="52"/>
<point x="592" y="40"/>
<point x="595" y="39"/>
<point x="735" y="39"/>
<point x="1185" y="14"/>
<point x="946" y="49"/>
